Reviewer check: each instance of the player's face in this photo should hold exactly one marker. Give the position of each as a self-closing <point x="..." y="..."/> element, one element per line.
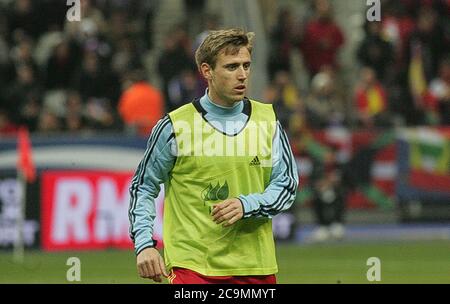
<point x="228" y="81"/>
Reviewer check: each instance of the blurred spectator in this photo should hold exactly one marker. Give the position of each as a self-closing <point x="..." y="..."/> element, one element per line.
<point x="175" y="57"/>
<point x="357" y="172"/>
<point x="439" y="91"/>
<point x="426" y="48"/>
<point x="23" y="19"/>
<point x="92" y="23"/>
<point x="30" y="110"/>
<point x="397" y="26"/>
<point x="183" y="88"/>
<point x="22" y="53"/>
<point x="7" y="127"/>
<point x="61" y="66"/>
<point x="55" y="101"/>
<point x="282" y="38"/>
<point x="149" y="10"/>
<point x="211" y="23"/>
<point x="125" y="56"/>
<point x="90" y="34"/>
<point x="322" y="39"/>
<point x="4" y="46"/>
<point x="375" y="52"/>
<point x="284" y="96"/>
<point x="141" y="105"/>
<point x="131" y="18"/>
<point x="427" y="43"/>
<point x="17" y="96"/>
<point x="328" y="199"/>
<point x="325" y="106"/>
<point x="412" y="7"/>
<point x="101" y="115"/>
<point x="194" y="16"/>
<point x="45" y="47"/>
<point x="118" y="25"/>
<point x="75" y="120"/>
<point x="49" y="122"/>
<point x="371" y="101"/>
<point x="95" y="80"/>
<point x="55" y="15"/>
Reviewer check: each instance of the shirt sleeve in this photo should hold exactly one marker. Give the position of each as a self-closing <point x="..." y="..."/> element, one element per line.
<point x="282" y="189"/>
<point x="152" y="171"/>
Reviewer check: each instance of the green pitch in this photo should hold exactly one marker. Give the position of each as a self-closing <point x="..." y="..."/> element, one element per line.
<point x="401" y="262"/>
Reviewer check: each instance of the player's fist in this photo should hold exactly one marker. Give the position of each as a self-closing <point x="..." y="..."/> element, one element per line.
<point x="150" y="265"/>
<point x="228" y="212"/>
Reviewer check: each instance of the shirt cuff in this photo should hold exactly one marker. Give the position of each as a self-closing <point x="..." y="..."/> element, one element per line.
<point x="150" y="244"/>
<point x="249" y="208"/>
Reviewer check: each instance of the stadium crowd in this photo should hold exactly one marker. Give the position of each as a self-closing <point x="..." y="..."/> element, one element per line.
<point x="62" y="76"/>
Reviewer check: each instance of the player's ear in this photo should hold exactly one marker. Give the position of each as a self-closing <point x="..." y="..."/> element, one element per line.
<point x="206" y="70"/>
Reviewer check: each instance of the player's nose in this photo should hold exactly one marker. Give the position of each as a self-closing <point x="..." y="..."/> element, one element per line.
<point x="241" y="73"/>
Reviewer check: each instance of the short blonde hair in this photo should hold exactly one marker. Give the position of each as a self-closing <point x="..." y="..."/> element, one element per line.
<point x="229" y="40"/>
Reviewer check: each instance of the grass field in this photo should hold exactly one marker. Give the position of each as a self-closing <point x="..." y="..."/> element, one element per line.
<point x="401" y="262"/>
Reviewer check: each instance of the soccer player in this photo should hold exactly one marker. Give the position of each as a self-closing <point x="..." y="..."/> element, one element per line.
<point x="227" y="168"/>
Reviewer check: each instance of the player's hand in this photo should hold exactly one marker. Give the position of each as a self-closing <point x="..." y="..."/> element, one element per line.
<point x="228" y="212"/>
<point x="150" y="265"/>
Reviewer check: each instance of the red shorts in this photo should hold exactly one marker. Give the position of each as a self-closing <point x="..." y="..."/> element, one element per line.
<point x="186" y="276"/>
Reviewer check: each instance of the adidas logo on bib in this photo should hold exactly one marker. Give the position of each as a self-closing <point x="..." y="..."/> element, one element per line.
<point x="255" y="162"/>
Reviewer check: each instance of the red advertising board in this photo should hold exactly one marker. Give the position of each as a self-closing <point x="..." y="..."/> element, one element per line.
<point x="87" y="210"/>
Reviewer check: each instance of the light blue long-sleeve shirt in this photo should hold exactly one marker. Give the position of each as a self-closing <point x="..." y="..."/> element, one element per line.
<point x="160" y="156"/>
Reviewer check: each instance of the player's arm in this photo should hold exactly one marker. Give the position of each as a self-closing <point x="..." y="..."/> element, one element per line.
<point x="152" y="171"/>
<point x="282" y="189"/>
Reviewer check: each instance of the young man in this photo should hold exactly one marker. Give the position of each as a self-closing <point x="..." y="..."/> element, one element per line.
<point x="227" y="168"/>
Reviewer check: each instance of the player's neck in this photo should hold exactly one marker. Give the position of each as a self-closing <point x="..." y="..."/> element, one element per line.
<point x="217" y="101"/>
<point x="216" y="109"/>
